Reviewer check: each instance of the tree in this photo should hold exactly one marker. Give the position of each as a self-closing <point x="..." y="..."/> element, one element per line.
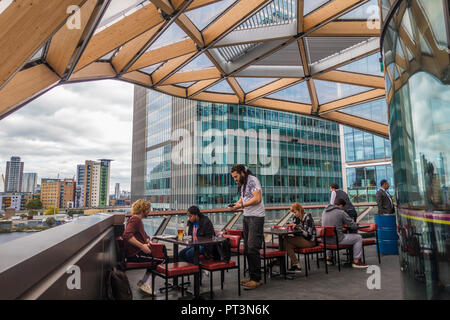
<point x="34" y="204"/>
<point x="23" y="216"/>
<point x="32" y="213"/>
<point x="51" y="211"/>
<point x="50" y="221"/>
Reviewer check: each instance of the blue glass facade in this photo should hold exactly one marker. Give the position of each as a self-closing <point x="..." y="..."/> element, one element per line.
<point x="307" y="160"/>
<point x="417" y="60"/>
<point x="363" y="179"/>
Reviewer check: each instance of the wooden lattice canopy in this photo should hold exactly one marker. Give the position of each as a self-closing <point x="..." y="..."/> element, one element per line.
<point x="313" y="57"/>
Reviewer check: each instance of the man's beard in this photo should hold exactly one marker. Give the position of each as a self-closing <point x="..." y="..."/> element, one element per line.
<point x="241" y="181"/>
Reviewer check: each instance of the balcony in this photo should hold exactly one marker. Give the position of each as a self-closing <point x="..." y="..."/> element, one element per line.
<point x="43" y="266"/>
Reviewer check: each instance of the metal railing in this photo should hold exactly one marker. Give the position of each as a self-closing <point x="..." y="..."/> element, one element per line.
<point x="167" y="222"/>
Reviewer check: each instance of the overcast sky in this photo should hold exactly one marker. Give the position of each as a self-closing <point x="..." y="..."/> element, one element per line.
<point x="71" y="124"/>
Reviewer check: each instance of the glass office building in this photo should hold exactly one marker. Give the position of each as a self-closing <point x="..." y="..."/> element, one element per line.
<point x="295" y="157"/>
<point x="367" y="156"/>
<point x="415" y="45"/>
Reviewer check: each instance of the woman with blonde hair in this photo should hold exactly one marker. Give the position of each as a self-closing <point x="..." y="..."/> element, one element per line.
<point x="137" y="241"/>
<point x="305" y="236"/>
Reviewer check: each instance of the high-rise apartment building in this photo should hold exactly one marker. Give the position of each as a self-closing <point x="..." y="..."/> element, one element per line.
<point x="14" y="175"/>
<point x="117" y="191"/>
<point x="295" y="157"/>
<point x="57" y="193"/>
<point x="96" y="183"/>
<point x="79" y="191"/>
<point x="367" y="157"/>
<point x="29" y="183"/>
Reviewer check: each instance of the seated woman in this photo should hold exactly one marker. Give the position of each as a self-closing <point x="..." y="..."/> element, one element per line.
<point x="201" y="226"/>
<point x="137" y="241"/>
<point x="305" y="237"/>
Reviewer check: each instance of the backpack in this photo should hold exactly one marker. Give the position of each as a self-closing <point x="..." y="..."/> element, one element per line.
<point x="117" y="285"/>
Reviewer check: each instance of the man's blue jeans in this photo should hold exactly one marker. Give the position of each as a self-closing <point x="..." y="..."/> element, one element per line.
<point x="187" y="254"/>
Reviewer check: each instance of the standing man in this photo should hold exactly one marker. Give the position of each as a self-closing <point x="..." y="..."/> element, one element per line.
<point x="384" y="199"/>
<point x="336" y="194"/>
<point x="251" y="202"/>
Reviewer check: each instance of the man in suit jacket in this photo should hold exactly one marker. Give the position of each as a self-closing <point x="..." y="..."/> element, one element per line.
<point x="336" y="194"/>
<point x="384" y="199"/>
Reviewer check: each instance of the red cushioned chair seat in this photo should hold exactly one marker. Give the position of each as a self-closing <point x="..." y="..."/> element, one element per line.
<point x="216" y="265"/>
<point x="272" y="245"/>
<point x="315" y="249"/>
<point x="241" y="249"/>
<point x="139" y="265"/>
<point x="272" y="253"/>
<point x="367" y="242"/>
<point x="177" y="268"/>
<point x="334" y="247"/>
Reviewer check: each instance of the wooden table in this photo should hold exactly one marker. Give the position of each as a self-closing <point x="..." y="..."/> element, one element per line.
<point x="190" y="242"/>
<point x="281" y="233"/>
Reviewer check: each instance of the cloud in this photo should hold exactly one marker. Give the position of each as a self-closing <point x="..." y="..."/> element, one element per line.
<point x="71" y="124"/>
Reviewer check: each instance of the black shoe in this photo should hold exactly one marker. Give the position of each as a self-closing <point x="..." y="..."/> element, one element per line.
<point x="295" y="268"/>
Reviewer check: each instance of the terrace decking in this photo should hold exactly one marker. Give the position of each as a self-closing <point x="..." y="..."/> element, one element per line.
<point x="349" y="284"/>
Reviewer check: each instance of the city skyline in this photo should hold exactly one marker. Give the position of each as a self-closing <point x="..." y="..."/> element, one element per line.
<point x="95" y="123"/>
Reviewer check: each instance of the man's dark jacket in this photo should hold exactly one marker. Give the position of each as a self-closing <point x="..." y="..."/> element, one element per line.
<point x="385" y="206"/>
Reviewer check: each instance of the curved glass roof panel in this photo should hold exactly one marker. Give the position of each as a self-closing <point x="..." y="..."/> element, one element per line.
<point x="367" y="65"/>
<point x="152" y="68"/>
<point x="118" y="9"/>
<point x="222" y="87"/>
<point x="369" y="10"/>
<point x="319" y="48"/>
<point x="312" y="5"/>
<point x="250" y="84"/>
<point x="172" y="35"/>
<point x="200" y="63"/>
<point x="186" y="84"/>
<point x="375" y="110"/>
<point x="203" y="16"/>
<point x="296" y="93"/>
<point x="275" y="13"/>
<point x="328" y="91"/>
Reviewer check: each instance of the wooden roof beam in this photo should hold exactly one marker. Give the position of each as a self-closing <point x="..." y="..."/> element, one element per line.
<point x="328" y="12"/>
<point x="24" y="86"/>
<point x="352" y="78"/>
<point x="165" y="53"/>
<point x="120" y="33"/>
<point x="197" y="75"/>
<point x="345" y="29"/>
<point x="359" y="123"/>
<point x="353" y="100"/>
<point x="64" y="49"/>
<point x="270" y="88"/>
<point x="24" y="26"/>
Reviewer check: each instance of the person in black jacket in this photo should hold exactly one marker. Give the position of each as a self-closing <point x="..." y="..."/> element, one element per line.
<point x="336" y="194"/>
<point x="305" y="237"/>
<point x="200" y="226"/>
<point x="384" y="199"/>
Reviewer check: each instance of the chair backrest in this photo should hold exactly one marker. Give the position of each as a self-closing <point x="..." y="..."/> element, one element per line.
<point x="372" y="227"/>
<point x="158" y="250"/>
<point x="278" y="227"/>
<point x="234" y="232"/>
<point x="319" y="232"/>
<point x="329" y="231"/>
<point x="234" y="240"/>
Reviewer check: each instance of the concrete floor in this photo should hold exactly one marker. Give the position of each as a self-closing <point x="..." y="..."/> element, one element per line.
<point x="349" y="284"/>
